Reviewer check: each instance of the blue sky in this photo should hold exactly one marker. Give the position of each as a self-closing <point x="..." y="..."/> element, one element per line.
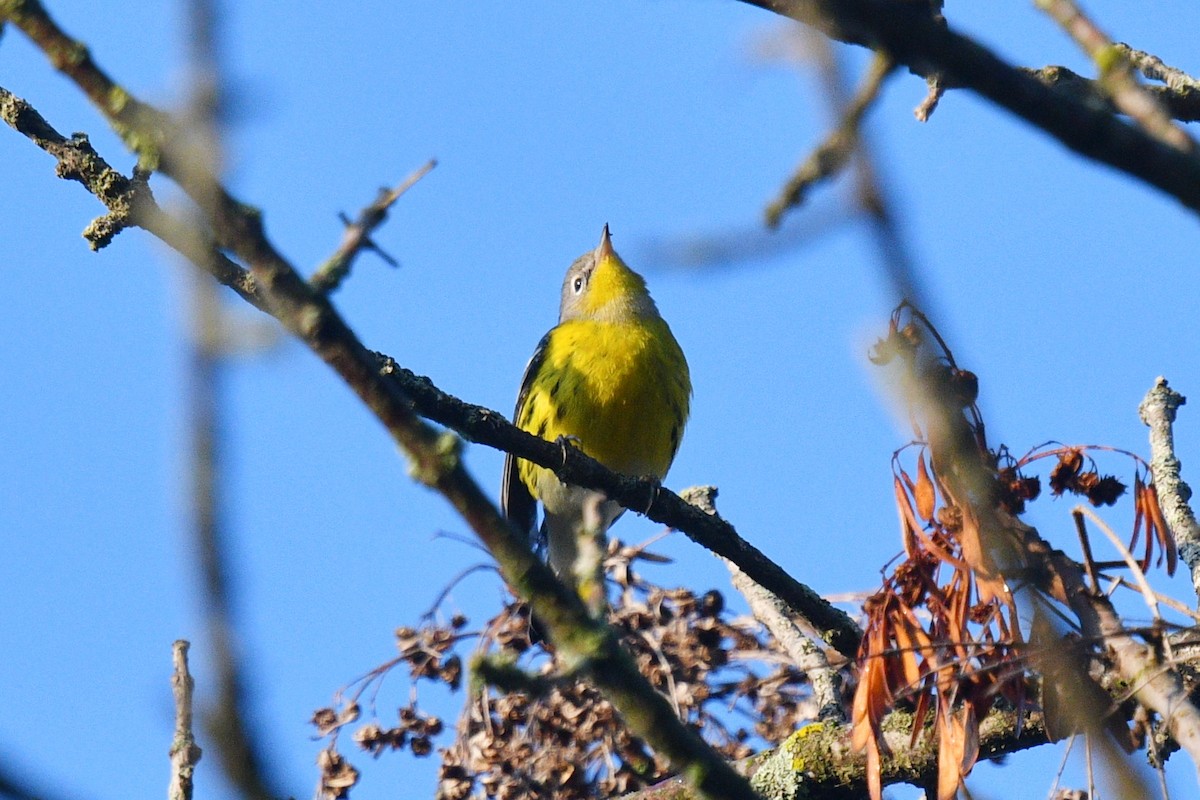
<point x="1066" y="287"/>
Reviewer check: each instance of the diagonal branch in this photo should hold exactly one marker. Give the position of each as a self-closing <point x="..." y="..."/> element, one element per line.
<point x="589" y="646"/>
<point x="488" y="427"/>
<point x="1116" y="74"/>
<point x="909" y="34"/>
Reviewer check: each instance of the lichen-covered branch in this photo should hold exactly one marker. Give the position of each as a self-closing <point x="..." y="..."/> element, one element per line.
<point x="129" y="200"/>
<point x="1157" y="411"/>
<point x="185" y="753"/>
<point x="1116" y="76"/>
<point x="819" y="761"/>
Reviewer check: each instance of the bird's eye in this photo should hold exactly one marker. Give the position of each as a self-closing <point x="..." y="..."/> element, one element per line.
<point x="578" y="284"/>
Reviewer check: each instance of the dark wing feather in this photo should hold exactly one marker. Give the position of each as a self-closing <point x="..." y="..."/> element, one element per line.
<point x="516" y="503"/>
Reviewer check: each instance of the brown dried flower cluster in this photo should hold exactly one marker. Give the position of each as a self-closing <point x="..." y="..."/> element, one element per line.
<point x="534" y="732"/>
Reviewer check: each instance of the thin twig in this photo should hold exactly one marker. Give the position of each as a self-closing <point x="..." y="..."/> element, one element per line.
<point x="1138" y="574"/>
<point x="1157" y="411"/>
<point x="804" y="654"/>
<point x="1153" y="68"/>
<point x="1085" y="545"/>
<point x="357" y="236"/>
<point x="129" y="200"/>
<point x="185" y="754"/>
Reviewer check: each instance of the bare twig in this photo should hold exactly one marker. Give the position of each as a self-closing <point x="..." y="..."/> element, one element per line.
<point x="1143" y="585"/>
<point x="1157" y="411"/>
<point x="807" y="657"/>
<point x="776" y="617"/>
<point x="1116" y="76"/>
<point x="1153" y="68"/>
<point x="185" y="754"/>
<point x="129" y="200"/>
<point x="1085" y="544"/>
<point x="358" y="234"/>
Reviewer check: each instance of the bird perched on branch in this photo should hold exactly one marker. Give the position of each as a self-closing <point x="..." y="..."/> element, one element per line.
<point x="611" y="380"/>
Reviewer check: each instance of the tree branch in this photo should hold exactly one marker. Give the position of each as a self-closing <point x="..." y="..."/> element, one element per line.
<point x="358" y="234"/>
<point x="588" y="645"/>
<point x="909" y="34"/>
<point x="1158" y="411"/>
<point x="475" y="423"/>
<point x="185" y="754"/>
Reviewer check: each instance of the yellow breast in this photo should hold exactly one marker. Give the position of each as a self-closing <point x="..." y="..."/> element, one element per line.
<point x="621" y="389"/>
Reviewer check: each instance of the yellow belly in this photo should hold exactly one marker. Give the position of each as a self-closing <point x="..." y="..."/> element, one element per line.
<point x="621" y="390"/>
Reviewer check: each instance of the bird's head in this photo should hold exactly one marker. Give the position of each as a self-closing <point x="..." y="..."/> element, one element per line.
<point x="600" y="286"/>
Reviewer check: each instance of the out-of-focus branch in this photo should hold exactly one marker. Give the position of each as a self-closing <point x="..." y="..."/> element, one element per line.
<point x="237" y="740"/>
<point x="870" y="194"/>
<point x="358" y="234"/>
<point x="910" y="34"/>
<point x="14" y="786"/>
<point x="1005" y="548"/>
<point x="185" y="754"/>
<point x="832" y="155"/>
<point x="1158" y="411"/>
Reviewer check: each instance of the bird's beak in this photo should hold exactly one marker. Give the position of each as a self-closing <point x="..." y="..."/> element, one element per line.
<point x="605" y="249"/>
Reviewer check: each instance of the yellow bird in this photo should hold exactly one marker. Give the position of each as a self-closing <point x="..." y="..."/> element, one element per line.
<point x="612" y="380"/>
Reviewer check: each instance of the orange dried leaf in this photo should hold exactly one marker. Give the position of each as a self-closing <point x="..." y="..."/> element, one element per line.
<point x="907" y="655"/>
<point x="1165" y="538"/>
<point x="919" y="713"/>
<point x="970" y="733"/>
<point x="1139" y="512"/>
<point x="924" y="492"/>
<point x="874" y="772"/>
<point x="863" y="733"/>
<point x="909" y="527"/>
<point x="950" y="753"/>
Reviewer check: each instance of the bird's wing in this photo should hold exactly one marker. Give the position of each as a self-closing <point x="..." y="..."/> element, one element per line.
<point x="516" y="502"/>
